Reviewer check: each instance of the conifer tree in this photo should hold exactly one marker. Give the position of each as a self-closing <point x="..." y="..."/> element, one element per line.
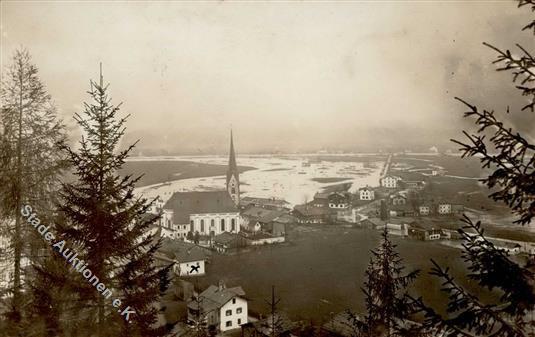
<point x="384" y="290"/>
<point x="103" y="222"/>
<point x="31" y="135"/>
<point x="511" y="158"/>
<point x="200" y="323"/>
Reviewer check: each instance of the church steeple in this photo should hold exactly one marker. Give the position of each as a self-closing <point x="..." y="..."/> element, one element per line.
<point x="233" y="179"/>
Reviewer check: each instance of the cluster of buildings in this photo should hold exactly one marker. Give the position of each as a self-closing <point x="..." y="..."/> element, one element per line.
<point x="195" y="224"/>
<point x="221" y="220"/>
<point x="327" y="207"/>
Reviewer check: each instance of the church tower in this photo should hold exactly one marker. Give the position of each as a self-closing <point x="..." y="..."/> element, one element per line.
<point x="233" y="179"/>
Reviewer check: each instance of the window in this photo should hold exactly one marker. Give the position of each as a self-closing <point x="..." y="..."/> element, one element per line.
<point x="229" y="323"/>
<point x="233" y="190"/>
<point x="212" y="223"/>
<point x="228" y="313"/>
<point x="202" y="225"/>
<point x="238" y="311"/>
<point x="222" y="225"/>
<point x="239" y="321"/>
<point x="233" y="224"/>
<point x="234" y="301"/>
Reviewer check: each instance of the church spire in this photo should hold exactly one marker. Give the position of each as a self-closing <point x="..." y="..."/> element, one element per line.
<point x="233" y="181"/>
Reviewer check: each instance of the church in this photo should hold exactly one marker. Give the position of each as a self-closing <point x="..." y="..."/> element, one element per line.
<point x="207" y="213"/>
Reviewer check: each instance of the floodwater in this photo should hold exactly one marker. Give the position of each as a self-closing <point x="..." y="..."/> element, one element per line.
<point x="288" y="177"/>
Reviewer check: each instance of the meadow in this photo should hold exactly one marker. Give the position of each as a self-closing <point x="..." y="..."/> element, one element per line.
<point x="155" y="172"/>
<point x="321" y="271"/>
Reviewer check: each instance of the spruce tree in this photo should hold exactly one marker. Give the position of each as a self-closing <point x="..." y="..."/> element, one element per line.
<point x="511" y="159"/>
<point x="103" y="222"/>
<point x="31" y="135"/>
<point x="384" y="290"/>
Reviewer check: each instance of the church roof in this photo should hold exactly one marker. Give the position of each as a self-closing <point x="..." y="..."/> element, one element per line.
<point x="232" y="167"/>
<point x="185" y="203"/>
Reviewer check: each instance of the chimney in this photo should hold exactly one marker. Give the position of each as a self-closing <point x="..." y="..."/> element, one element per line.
<point x="221" y="285"/>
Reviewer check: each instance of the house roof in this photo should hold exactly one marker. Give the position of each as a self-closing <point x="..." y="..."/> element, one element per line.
<point x="264" y="201"/>
<point x="285" y="218"/>
<point x="183" y="251"/>
<point x="374" y="221"/>
<point x="308" y="210"/>
<point x="367" y="188"/>
<point x="262" y="214"/>
<point x="280" y="321"/>
<point x="338" y="197"/>
<point x="342" y="324"/>
<point x="215" y="297"/>
<point x="183" y="204"/>
<point x="321" y="195"/>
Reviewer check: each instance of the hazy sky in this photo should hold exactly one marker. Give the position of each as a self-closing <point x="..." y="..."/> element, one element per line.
<point x="286" y="75"/>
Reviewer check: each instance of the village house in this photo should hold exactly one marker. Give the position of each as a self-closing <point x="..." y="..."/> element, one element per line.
<point x="221" y="307"/>
<point x="321" y="199"/>
<point x="267" y="203"/>
<point x="338" y="200"/>
<point x="371" y="223"/>
<point x="254" y="216"/>
<point x="188" y="259"/>
<point x="164" y="224"/>
<point x="444" y="208"/>
<point x="310" y="214"/>
<point x="157" y="206"/>
<point x="398" y="199"/>
<point x="225" y="242"/>
<point x="265" y="226"/>
<point x="366" y="193"/>
<point x="275" y="228"/>
<point x="206" y="213"/>
<point x="425" y="234"/>
<point x="402" y="210"/>
<point x="389" y="181"/>
<point x="425" y="209"/>
<point x="414" y="184"/>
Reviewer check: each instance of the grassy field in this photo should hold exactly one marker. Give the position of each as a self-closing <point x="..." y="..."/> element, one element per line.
<point x="155" y="172"/>
<point x="469" y="192"/>
<point x="321" y="271"/>
<point x="455" y="165"/>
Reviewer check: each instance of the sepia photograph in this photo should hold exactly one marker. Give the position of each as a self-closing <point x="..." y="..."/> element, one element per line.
<point x="270" y="168"/>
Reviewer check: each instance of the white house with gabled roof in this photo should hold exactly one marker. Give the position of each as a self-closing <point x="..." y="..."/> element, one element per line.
<point x="219" y="306"/>
<point x="390" y="181"/>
